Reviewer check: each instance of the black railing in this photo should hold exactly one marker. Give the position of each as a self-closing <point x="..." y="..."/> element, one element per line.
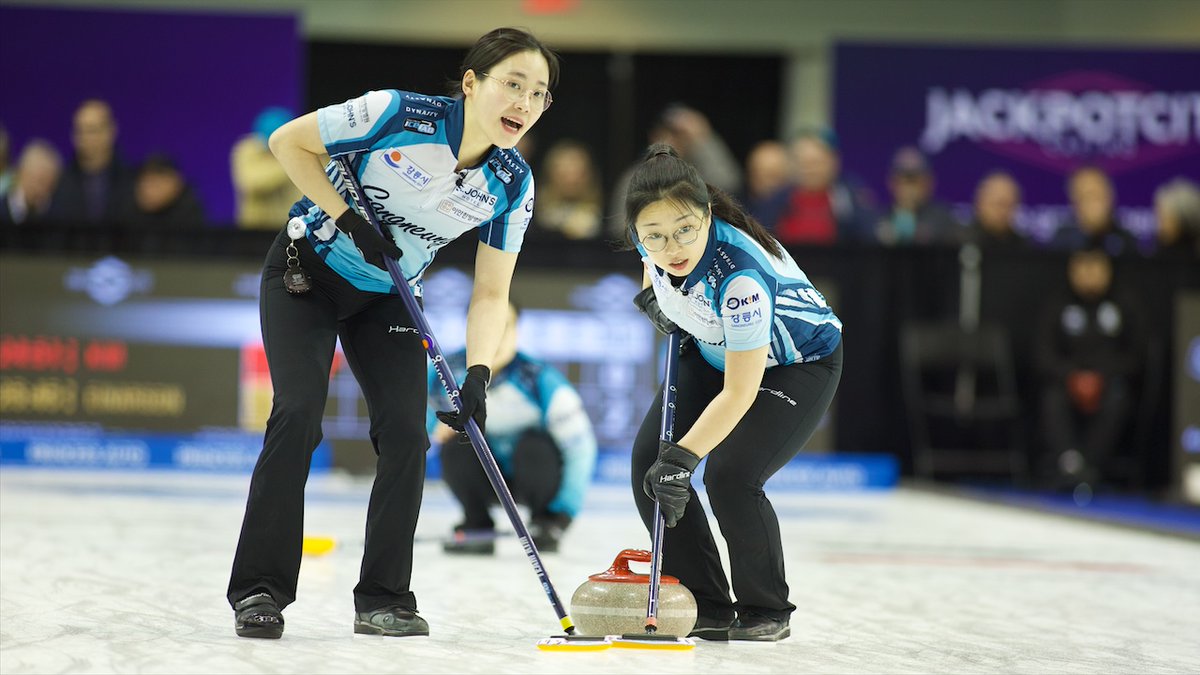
<point x="874" y="290"/>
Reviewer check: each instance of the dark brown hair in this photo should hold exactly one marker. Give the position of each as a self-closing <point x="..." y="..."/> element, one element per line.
<point x="498" y="45"/>
<point x="664" y="175"/>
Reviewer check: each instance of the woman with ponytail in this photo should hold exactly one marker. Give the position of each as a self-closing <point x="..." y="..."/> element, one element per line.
<point x="757" y="375"/>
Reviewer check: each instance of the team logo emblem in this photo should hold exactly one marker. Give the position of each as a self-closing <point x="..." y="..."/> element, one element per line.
<point x="407" y="169"/>
<point x="420" y="126"/>
<point x="502" y="173"/>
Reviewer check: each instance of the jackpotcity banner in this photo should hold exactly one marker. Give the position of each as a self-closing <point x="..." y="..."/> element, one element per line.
<point x="1035" y="113"/>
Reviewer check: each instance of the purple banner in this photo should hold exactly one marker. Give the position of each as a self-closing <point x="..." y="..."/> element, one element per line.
<point x="186" y="83"/>
<point x="1036" y="113"/>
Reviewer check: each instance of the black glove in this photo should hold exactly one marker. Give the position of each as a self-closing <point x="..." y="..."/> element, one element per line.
<point x="648" y="304"/>
<point x="669" y="479"/>
<point x="472" y="400"/>
<point x="368" y="239"/>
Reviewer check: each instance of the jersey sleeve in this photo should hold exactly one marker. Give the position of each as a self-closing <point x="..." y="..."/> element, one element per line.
<point x="363" y="123"/>
<point x="507" y="230"/>
<point x="747" y="311"/>
<point x="567" y="423"/>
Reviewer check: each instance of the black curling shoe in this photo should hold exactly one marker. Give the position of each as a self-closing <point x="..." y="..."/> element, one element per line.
<point x="759" y="628"/>
<point x="258" y="616"/>
<point x="547" y="531"/>
<point x="709" y="628"/>
<point x="391" y="621"/>
<point x="464" y="541"/>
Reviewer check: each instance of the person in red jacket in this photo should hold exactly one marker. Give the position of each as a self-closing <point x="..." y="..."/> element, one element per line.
<point x="825" y="207"/>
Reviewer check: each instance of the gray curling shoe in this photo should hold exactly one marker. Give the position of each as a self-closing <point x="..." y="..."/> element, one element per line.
<point x="391" y="621"/>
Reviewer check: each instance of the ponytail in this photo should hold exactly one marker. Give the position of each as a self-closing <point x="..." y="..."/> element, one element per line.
<point x="726" y="208"/>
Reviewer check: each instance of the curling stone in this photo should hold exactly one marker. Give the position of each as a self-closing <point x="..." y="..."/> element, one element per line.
<point x="613" y="602"/>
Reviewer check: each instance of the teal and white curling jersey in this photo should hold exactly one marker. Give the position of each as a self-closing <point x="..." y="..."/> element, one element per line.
<point x="527" y="394"/>
<point x="405" y="149"/>
<point x="740" y="297"/>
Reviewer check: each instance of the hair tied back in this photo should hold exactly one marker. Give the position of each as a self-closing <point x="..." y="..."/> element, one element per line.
<point x="660" y="150"/>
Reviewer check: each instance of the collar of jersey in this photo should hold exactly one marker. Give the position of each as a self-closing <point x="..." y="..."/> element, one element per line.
<point x="455" y="120"/>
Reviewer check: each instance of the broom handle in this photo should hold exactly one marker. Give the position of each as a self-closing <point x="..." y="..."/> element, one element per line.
<point x="666" y="432"/>
<point x="478" y="442"/>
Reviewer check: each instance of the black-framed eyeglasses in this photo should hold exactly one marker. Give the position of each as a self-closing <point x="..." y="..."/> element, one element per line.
<point x="656" y="241"/>
<point x="517" y="91"/>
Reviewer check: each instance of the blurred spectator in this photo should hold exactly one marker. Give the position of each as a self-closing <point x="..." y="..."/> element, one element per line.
<point x="1177" y="209"/>
<point x="1093" y="222"/>
<point x="769" y="180"/>
<point x="6" y="173"/>
<point x="916" y="217"/>
<point x="97" y="187"/>
<point x="263" y="190"/>
<point x="993" y="225"/>
<point x="690" y="133"/>
<point x="568" y="192"/>
<point x="825" y="206"/>
<point x="528" y="146"/>
<point x="37" y="174"/>
<point x="163" y="197"/>
<point x="1089" y="345"/>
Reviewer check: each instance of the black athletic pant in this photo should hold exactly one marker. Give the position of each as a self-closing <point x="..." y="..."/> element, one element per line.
<point x="791" y="401"/>
<point x="534" y="477"/>
<point x="384" y="352"/>
<point x="1095" y="436"/>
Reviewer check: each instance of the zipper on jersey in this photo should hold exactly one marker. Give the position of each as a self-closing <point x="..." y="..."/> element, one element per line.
<point x="459" y="178"/>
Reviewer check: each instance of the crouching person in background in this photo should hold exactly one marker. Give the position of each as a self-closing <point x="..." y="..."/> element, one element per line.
<point x="541" y="437"/>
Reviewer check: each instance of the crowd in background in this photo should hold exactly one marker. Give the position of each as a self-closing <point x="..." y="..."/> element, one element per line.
<point x="1089" y="345"/>
<point x="95" y="184"/>
<point x="796" y="187"/>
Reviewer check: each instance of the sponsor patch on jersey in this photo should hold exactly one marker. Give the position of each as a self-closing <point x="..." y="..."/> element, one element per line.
<point x="746" y="318"/>
<point x="528" y="211"/>
<point x="744" y="303"/>
<point x="420" y="126"/>
<point x="474" y="197"/>
<point x="421" y="98"/>
<point x="462" y="212"/>
<point x="409" y="110"/>
<point x="512" y="165"/>
<point x="700" y="310"/>
<point x="738" y="303"/>
<point x="502" y="173"/>
<point x="356" y="111"/>
<point x="410" y="171"/>
<point x="364" y="109"/>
